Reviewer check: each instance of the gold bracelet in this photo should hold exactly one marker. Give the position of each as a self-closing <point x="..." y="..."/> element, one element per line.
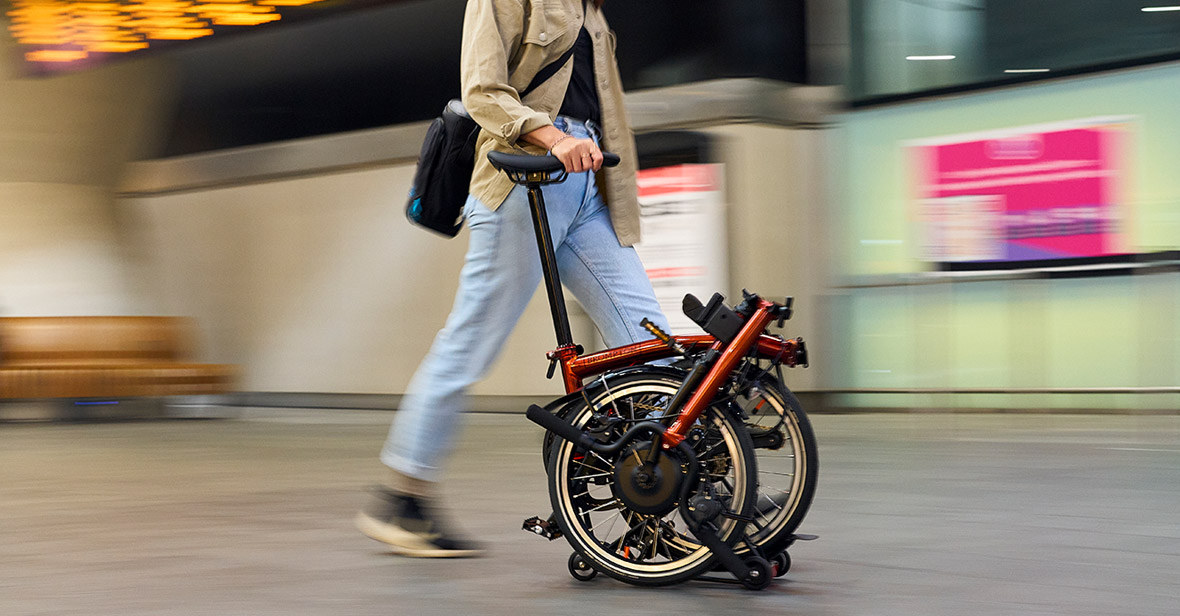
<point x="559" y="140"/>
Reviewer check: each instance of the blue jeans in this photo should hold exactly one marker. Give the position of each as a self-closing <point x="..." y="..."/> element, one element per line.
<point x="499" y="277"/>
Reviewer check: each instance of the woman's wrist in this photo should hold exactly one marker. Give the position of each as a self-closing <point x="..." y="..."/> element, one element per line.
<point x="546" y="137"/>
<point x="563" y="137"/>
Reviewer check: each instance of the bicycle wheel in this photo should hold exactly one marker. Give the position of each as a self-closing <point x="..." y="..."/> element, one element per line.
<point x="635" y="535"/>
<point x="786" y="453"/>
<point x="784" y="443"/>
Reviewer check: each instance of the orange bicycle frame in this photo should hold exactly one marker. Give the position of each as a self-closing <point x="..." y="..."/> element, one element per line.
<point x="576" y="368"/>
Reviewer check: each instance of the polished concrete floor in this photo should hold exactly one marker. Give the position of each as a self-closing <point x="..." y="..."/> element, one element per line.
<point x="917" y="514"/>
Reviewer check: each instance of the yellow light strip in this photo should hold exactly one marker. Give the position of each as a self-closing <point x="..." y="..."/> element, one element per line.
<point x="157" y="6"/>
<point x="245" y="20"/>
<point x="55" y="55"/>
<point x="117" y="47"/>
<point x="288" y="2"/>
<point x="178" y="34"/>
<point x="123" y="26"/>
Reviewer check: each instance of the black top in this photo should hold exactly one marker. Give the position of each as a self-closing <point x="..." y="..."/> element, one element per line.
<point x="581" y="97"/>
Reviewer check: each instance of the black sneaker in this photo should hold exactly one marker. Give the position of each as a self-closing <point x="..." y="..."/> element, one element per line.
<point x="411" y="526"/>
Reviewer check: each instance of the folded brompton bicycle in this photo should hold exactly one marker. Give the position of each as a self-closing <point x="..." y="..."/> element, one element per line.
<point x="661" y="472"/>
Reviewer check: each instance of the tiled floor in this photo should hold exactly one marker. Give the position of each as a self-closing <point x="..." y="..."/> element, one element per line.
<point x="917" y="514"/>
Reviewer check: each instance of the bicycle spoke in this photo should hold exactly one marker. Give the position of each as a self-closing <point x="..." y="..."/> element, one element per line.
<point x="608" y="463"/>
<point x="618" y="514"/>
<point x="776" y="490"/>
<point x="592" y="467"/>
<point x="613" y="519"/>
<point x="607" y="474"/>
<point x="615" y="503"/>
<point x="655" y="540"/>
<point x="771" y="499"/>
<point x="641" y="541"/>
<point x="623" y="537"/>
<point x="612" y="397"/>
<point x="681" y="538"/>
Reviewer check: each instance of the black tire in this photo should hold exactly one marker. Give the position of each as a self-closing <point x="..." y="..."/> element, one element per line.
<point x="786" y="475"/>
<point x="641" y="549"/>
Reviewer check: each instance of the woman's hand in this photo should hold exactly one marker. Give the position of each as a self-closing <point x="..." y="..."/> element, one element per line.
<point x="576" y="155"/>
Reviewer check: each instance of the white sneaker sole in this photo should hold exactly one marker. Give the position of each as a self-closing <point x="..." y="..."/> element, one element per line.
<point x="404" y="542"/>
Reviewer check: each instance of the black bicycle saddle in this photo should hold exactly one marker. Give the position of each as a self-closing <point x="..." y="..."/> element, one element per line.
<point x="547" y="163"/>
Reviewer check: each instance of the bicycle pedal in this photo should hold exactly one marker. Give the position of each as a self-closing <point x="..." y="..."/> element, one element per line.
<point x="545" y="528"/>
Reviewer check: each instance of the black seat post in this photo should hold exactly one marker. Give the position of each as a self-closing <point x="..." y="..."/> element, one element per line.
<point x="533" y="172"/>
<point x="561" y="320"/>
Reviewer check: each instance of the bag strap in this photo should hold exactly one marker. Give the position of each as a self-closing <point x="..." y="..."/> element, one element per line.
<point x="548" y="71"/>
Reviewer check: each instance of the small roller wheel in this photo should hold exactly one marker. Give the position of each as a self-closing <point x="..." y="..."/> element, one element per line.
<point x="580" y="569"/>
<point x="781" y="563"/>
<point x="759" y="576"/>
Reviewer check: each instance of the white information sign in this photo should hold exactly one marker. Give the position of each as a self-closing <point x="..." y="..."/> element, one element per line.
<point x="683" y="248"/>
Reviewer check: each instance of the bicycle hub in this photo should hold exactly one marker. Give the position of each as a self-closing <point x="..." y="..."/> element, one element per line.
<point x="650" y="488"/>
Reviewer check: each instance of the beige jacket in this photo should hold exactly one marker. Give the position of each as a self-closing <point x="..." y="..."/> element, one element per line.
<point x="505" y="44"/>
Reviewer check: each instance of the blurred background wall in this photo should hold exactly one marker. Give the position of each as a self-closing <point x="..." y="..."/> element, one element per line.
<point x="254" y="181"/>
<point x="63" y="146"/>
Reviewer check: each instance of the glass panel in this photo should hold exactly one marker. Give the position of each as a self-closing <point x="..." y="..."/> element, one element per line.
<point x="907" y="47"/>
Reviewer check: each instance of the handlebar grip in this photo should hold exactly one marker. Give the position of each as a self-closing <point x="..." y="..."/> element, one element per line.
<point x="559" y="427"/>
<point x="544" y="163"/>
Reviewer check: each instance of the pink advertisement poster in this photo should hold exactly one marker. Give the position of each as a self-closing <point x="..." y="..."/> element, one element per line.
<point x="1030" y="193"/>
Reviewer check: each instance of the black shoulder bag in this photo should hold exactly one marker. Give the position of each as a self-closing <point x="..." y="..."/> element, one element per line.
<point x="447" y="160"/>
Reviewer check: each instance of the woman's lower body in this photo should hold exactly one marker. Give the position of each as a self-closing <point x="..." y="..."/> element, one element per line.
<point x="499" y="277"/>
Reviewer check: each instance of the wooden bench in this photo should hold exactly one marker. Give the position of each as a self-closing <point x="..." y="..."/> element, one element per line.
<point x="105" y="357"/>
